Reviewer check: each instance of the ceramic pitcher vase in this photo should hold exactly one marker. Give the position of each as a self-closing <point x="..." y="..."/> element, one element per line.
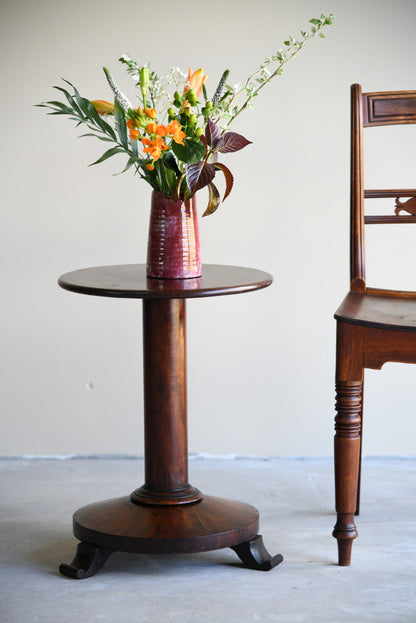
<point x="173" y="248"/>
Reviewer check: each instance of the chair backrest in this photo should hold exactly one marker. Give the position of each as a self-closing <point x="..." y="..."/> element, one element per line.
<point x="375" y="109"/>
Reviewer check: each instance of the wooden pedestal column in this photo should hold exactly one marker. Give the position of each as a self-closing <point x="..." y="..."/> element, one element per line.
<point x="166" y="514"/>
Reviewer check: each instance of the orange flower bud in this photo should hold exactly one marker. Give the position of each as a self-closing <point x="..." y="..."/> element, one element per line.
<point x="195" y="81"/>
<point x="150" y="112"/>
<point x="103" y="107"/>
<point x="134" y="134"/>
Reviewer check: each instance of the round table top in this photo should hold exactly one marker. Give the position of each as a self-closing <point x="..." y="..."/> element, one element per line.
<point x="130" y="281"/>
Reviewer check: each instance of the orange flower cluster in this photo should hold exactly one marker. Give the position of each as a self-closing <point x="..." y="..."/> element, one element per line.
<point x="154" y="148"/>
<point x="155" y="145"/>
<point x="134" y="132"/>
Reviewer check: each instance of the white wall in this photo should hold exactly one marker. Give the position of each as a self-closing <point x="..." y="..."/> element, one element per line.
<point x="261" y="366"/>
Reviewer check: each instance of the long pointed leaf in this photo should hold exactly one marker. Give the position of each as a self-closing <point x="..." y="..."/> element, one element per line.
<point x="214" y="200"/>
<point x="71" y="101"/>
<point x="81" y="101"/>
<point x="86" y="110"/>
<point x="100" y="138"/>
<point x="130" y="162"/>
<point x="121" y="126"/>
<point x="91" y="112"/>
<point x="134" y="148"/>
<point x="107" y="154"/>
<point x="57" y="104"/>
<point x="229" y="178"/>
<point x="106" y="127"/>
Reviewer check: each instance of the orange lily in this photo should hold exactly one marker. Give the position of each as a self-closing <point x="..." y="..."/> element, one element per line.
<point x="103" y="107"/>
<point x="195" y="81"/>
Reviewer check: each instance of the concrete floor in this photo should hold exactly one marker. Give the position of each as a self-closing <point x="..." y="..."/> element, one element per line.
<point x="295" y="500"/>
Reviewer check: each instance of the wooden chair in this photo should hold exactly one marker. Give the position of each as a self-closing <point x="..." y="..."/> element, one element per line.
<point x="374" y="326"/>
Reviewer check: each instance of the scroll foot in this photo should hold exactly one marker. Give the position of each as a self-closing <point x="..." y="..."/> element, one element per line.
<point x="255" y="556"/>
<point x="88" y="560"/>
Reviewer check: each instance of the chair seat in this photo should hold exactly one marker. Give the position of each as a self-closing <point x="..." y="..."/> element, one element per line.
<point x="383" y="312"/>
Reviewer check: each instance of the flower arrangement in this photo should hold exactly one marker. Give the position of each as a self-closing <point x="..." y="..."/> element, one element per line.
<point x="173" y="140"/>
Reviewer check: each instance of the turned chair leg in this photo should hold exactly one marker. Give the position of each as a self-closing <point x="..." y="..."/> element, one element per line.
<point x="347" y="460"/>
<point x="357" y="507"/>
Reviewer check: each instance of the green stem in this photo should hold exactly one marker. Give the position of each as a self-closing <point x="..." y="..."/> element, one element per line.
<point x="276" y="72"/>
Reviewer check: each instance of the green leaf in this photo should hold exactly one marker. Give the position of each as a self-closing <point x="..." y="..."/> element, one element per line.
<point x="132" y="160"/>
<point x="107" y="154"/>
<point x="57" y="104"/>
<point x="170" y="162"/>
<point x="81" y="101"/>
<point x="95" y="118"/>
<point x="192" y="151"/>
<point x="106" y="127"/>
<point x="167" y="177"/>
<point x="70" y="100"/>
<point x="90" y="111"/>
<point x="134" y="147"/>
<point x="101" y="138"/>
<point x="121" y="126"/>
<point x="59" y="112"/>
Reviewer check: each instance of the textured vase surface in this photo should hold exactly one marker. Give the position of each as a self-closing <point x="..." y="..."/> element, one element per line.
<point x="173" y="248"/>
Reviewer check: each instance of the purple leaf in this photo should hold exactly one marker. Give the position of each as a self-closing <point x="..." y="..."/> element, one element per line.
<point x="204" y="141"/>
<point x="212" y="134"/>
<point x="214" y="200"/>
<point x="229" y="179"/>
<point x="199" y="175"/>
<point x="231" y="141"/>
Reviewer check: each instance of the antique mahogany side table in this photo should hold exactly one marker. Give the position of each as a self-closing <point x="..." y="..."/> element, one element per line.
<point x="166" y="514"/>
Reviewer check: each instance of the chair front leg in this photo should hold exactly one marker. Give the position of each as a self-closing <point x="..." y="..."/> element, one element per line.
<point x="347" y="460"/>
<point x="357" y="507"/>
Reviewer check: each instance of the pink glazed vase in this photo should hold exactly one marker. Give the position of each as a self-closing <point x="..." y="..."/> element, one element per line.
<point x="173" y="248"/>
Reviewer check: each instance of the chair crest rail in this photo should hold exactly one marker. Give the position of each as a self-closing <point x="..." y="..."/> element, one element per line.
<point x="389" y="108"/>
